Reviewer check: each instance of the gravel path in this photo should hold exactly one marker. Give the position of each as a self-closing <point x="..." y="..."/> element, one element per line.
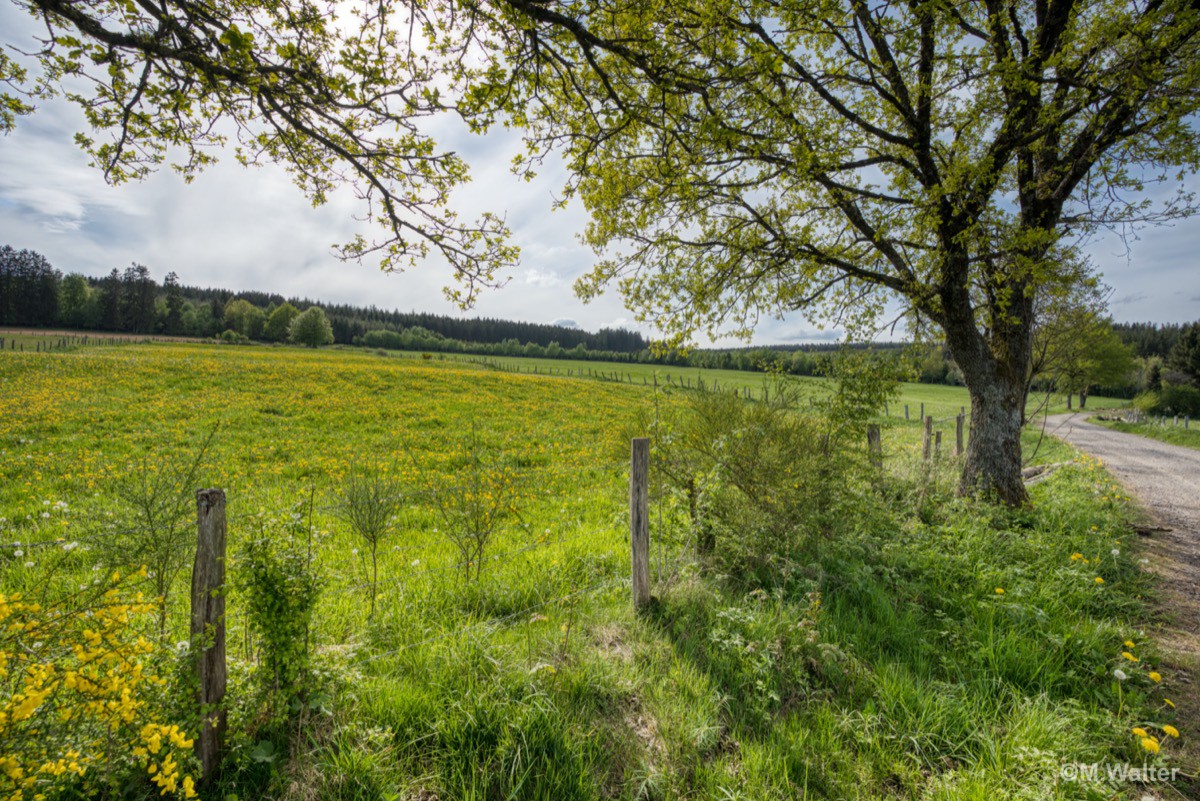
<point x="1166" y="479"/>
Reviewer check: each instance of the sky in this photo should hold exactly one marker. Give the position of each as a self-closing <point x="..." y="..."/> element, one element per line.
<point x="252" y="229"/>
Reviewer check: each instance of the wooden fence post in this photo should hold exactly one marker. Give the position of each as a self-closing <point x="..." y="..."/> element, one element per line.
<point x="906" y="411"/>
<point x="922" y="410"/>
<point x="958" y="435"/>
<point x="874" y="446"/>
<point x="937" y="445"/>
<point x="639" y="520"/>
<point x="208" y="627"/>
<point x="927" y="439"/>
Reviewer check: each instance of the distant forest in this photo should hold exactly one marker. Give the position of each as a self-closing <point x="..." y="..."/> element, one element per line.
<point x="34" y="294"/>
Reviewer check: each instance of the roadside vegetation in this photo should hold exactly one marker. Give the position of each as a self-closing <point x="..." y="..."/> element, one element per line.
<point x="1165" y="431"/>
<point x="823" y="628"/>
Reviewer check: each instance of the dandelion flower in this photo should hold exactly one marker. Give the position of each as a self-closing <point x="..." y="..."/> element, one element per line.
<point x="1075" y="557"/>
<point x="1129" y="656"/>
<point x="1119" y="675"/>
<point x="1169" y="702"/>
<point x="1150" y="744"/>
<point x="1129" y="644"/>
<point x="1171" y="731"/>
<point x="1155" y="676"/>
<point x="1098" y="580"/>
<point x="999" y="590"/>
<point x="1140" y="732"/>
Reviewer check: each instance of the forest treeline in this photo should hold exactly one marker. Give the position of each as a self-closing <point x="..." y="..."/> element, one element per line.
<point x="35" y="294"/>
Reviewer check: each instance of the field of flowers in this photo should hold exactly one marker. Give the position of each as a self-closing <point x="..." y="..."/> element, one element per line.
<point x="922" y="647"/>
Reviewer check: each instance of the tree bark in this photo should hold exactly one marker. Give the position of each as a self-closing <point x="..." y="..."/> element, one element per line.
<point x="994" y="367"/>
<point x="993" y="462"/>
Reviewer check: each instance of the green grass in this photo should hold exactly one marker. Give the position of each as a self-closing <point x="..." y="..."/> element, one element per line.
<point x="1167" y="431"/>
<point x="939" y="400"/>
<point x="877" y="661"/>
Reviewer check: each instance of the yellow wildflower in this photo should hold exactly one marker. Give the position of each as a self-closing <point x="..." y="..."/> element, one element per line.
<point x="1150" y="744"/>
<point x="1155" y="676"/>
<point x="1170" y="730"/>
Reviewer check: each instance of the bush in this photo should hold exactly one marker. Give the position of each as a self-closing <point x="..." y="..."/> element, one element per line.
<point x="1171" y="399"/>
<point x="1179" y="399"/>
<point x="231" y="337"/>
<point x="78" y="697"/>
<point x="281" y="589"/>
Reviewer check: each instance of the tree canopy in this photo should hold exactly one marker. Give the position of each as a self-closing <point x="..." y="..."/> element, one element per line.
<point x="747" y="157"/>
<point x="1185" y="356"/>
<point x="311" y="327"/>
<point x="338" y="94"/>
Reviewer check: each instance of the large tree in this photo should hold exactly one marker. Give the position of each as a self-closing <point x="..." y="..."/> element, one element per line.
<point x="750" y="157"/>
<point x="1185" y="355"/>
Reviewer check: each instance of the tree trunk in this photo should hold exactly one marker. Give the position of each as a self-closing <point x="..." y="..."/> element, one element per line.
<point x="1069" y="396"/>
<point x="993" y="461"/>
<point x="994" y="367"/>
<point x="1083" y="398"/>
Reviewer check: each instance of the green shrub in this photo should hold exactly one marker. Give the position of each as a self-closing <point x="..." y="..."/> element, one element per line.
<point x="1171" y="399"/>
<point x="281" y="590"/>
<point x="1179" y="399"/>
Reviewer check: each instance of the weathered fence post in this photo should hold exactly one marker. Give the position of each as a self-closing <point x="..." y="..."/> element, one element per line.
<point x="639" y="520"/>
<point x="958" y="435"/>
<point x="874" y="446"/>
<point x="927" y="439"/>
<point x="937" y="445"/>
<point x="922" y="410"/>
<point x="906" y="411"/>
<point x="208" y="627"/>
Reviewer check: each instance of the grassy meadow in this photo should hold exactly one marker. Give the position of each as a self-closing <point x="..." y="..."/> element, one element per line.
<point x="939" y="400"/>
<point x="902" y="644"/>
<point x="1167" y="431"/>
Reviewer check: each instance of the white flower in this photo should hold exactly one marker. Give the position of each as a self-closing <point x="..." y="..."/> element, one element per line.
<point x="416" y="562"/>
<point x="1119" y="675"/>
<point x="70" y="546"/>
<point x="29" y="564"/>
<point x="1115" y="551"/>
<point x="45" y="515"/>
<point x="18" y="553"/>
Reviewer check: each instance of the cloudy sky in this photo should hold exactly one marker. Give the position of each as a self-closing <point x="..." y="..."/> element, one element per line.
<point x="252" y="229"/>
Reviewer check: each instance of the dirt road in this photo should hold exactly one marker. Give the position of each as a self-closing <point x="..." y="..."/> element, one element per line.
<point x="1166" y="479"/>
